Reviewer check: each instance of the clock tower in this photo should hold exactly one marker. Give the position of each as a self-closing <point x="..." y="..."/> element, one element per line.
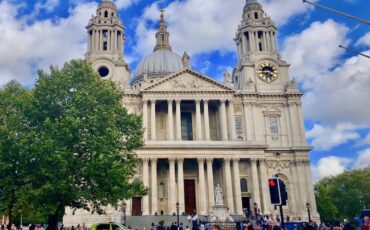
<point x="259" y="67"/>
<point x="106" y="44"/>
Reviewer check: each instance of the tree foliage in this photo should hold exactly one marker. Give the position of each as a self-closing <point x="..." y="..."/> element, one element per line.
<point x="15" y="140"/>
<point x="75" y="141"/>
<point x="343" y="196"/>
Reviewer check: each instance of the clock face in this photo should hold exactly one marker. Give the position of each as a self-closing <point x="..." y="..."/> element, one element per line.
<point x="267" y="72"/>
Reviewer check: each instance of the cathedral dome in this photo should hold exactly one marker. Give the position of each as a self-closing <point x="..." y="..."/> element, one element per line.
<point x="163" y="61"/>
<point x="160" y="62"/>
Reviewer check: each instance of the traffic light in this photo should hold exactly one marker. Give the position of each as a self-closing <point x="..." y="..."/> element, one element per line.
<point x="283" y="192"/>
<point x="278" y="191"/>
<point x="274" y="185"/>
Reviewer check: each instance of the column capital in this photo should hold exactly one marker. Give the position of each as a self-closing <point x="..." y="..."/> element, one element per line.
<point x="201" y="159"/>
<point x="230" y="101"/>
<point x="205" y="100"/>
<point x="227" y="160"/>
<point x="145" y="100"/>
<point x="154" y="160"/>
<point x="145" y="159"/>
<point x="254" y="160"/>
<point x="178" y="101"/>
<point x="172" y="159"/>
<point x="170" y="100"/>
<point x="209" y="160"/>
<point x="223" y="100"/>
<point x="236" y="159"/>
<point x="180" y="159"/>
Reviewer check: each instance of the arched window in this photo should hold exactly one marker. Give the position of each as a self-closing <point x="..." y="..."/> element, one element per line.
<point x="256" y="15"/>
<point x="243" y="185"/>
<point x="106" y="14"/>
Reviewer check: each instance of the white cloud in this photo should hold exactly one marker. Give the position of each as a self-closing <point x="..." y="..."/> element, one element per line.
<point x="365" y="40"/>
<point x="326" y="138"/>
<point x="203" y="26"/>
<point x="38" y="45"/>
<point x="122" y="4"/>
<point x="363" y="159"/>
<point x="330" y="166"/>
<point x="311" y="54"/>
<point x="364" y="141"/>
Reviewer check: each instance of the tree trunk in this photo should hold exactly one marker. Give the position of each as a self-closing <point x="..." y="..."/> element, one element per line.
<point x="10" y="216"/>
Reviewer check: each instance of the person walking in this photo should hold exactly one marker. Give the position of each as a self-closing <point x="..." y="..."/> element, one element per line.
<point x="366" y="225"/>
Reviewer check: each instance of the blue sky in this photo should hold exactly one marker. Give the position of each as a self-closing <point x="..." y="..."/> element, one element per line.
<point x="35" y="34"/>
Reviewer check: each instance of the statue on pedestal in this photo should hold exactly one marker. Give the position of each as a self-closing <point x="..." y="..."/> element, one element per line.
<point x="219" y="200"/>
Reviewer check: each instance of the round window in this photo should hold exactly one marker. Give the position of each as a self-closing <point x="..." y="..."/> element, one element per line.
<point x="103" y="71"/>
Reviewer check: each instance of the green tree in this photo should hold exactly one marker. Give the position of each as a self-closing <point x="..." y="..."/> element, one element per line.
<point x="85" y="142"/>
<point x="15" y="139"/>
<point x="343" y="196"/>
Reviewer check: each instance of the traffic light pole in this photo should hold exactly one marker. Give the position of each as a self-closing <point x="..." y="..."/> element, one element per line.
<point x="282" y="216"/>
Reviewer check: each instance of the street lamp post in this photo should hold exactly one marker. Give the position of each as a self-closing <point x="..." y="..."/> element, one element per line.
<point x="178" y="217"/>
<point x="308" y="206"/>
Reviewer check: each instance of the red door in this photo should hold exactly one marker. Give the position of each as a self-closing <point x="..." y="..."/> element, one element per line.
<point x="190" y="197"/>
<point x="136" y="206"/>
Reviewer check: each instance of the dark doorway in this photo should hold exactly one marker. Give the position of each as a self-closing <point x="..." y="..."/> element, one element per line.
<point x="246" y="203"/>
<point x="186" y="127"/>
<point x="190" y="197"/>
<point x="136" y="206"/>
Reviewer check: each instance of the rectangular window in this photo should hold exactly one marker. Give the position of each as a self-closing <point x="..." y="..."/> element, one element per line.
<point x="105" y="46"/>
<point x="105" y="33"/>
<point x="239" y="125"/>
<point x="274" y="127"/>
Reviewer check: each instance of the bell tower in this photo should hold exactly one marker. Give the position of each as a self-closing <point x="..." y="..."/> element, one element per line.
<point x="106" y="44"/>
<point x="259" y="63"/>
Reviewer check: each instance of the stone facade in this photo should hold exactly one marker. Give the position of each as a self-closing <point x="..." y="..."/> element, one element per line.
<point x="200" y="132"/>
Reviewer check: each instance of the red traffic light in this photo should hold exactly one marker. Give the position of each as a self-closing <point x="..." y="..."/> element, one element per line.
<point x="272" y="183"/>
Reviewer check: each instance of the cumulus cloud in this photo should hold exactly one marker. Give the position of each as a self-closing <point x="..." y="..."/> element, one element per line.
<point x="29" y="47"/>
<point x="330" y="166"/>
<point x="365" y="40"/>
<point x="363" y="159"/>
<point x="203" y="26"/>
<point x="364" y="141"/>
<point x="122" y="4"/>
<point x="326" y="138"/>
<point x="311" y="54"/>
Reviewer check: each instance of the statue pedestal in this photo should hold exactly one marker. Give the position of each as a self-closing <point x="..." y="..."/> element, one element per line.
<point x="219" y="213"/>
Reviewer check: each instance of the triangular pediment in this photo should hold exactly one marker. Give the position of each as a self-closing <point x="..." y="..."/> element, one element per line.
<point x="188" y="80"/>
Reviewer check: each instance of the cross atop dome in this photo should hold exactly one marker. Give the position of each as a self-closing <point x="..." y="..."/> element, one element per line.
<point x="162" y="35"/>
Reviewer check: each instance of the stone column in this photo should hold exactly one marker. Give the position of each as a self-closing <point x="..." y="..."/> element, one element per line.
<point x="145" y="119"/>
<point x="238" y="194"/>
<point x="202" y="188"/>
<point x="301" y="123"/>
<point x="153" y="121"/>
<point x="265" y="188"/>
<point x="229" y="186"/>
<point x="244" y="46"/>
<point x="206" y="121"/>
<point x="255" y="180"/>
<point x="232" y="121"/>
<point x="251" y="41"/>
<point x="178" y="120"/>
<point x="198" y="121"/>
<point x="146" y="184"/>
<point x="211" y="189"/>
<point x="180" y="184"/>
<point x="154" y="189"/>
<point x="101" y="40"/>
<point x="115" y="41"/>
<point x="303" y="199"/>
<point x="311" y="194"/>
<point x="223" y="120"/>
<point x="172" y="184"/>
<point x="170" y="121"/>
